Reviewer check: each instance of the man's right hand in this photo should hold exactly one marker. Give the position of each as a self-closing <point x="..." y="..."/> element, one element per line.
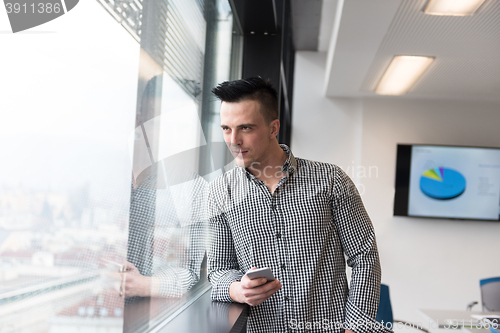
<point x="253" y="292"/>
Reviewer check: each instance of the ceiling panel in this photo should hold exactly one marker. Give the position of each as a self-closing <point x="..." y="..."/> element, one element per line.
<point x="306" y="19"/>
<point x="466" y="48"/>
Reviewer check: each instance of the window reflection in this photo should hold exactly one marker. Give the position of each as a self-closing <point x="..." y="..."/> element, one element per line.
<point x="167" y="223"/>
<point x="65" y="174"/>
<point x="101" y="169"/>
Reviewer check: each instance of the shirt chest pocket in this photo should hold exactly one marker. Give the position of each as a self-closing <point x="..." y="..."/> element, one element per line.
<point x="251" y="218"/>
<point x="311" y="216"/>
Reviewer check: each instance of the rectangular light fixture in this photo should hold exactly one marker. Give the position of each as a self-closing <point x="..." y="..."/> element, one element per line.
<point x="452" y="7"/>
<point x="402" y="73"/>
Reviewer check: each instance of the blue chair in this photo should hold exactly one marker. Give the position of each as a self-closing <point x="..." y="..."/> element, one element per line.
<point x="490" y="295"/>
<point x="384" y="312"/>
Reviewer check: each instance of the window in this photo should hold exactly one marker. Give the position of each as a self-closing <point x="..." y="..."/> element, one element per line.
<point x="108" y="143"/>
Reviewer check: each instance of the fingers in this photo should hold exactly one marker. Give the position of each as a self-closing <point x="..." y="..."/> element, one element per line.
<point x="136" y="285"/>
<point x="270" y="287"/>
<point x="262" y="297"/>
<point x="252" y="283"/>
<point x="128" y="286"/>
<point x="256" y="296"/>
<point x="256" y="291"/>
<point x="246" y="282"/>
<point x="128" y="266"/>
<point x="259" y="299"/>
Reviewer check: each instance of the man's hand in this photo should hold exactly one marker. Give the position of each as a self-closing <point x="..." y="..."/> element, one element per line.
<point x="253" y="292"/>
<point x="134" y="283"/>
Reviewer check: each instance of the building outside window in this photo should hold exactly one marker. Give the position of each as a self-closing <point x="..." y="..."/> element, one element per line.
<point x="109" y="136"/>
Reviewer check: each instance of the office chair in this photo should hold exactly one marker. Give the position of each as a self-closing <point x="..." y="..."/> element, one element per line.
<point x="384" y="312"/>
<point x="490" y="295"/>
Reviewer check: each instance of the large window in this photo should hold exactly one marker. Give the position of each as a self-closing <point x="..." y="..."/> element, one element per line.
<point x="108" y="140"/>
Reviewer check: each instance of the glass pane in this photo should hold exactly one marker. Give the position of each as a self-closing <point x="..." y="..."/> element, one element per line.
<point x="68" y="108"/>
<point x="108" y="145"/>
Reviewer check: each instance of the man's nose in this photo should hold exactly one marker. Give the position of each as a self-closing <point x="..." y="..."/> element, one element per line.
<point x="235" y="138"/>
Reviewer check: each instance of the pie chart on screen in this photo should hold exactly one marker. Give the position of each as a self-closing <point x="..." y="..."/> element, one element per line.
<point x="442" y="183"/>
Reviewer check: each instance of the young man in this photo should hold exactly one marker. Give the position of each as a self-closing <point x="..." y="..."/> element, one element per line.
<point x="295" y="216"/>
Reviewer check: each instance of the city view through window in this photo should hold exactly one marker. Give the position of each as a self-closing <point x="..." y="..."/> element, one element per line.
<point x="108" y="146"/>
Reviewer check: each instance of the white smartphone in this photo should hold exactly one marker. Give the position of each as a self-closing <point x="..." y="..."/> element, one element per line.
<point x="261" y="273"/>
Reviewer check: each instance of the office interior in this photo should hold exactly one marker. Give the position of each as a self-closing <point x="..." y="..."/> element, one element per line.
<point x="427" y="263"/>
<point x="70" y="96"/>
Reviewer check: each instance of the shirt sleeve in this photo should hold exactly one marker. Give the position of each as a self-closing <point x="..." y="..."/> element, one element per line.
<point x="223" y="267"/>
<point x="175" y="278"/>
<point x="358" y="241"/>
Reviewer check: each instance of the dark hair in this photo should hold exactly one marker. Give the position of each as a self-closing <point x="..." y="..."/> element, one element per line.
<point x="253" y="88"/>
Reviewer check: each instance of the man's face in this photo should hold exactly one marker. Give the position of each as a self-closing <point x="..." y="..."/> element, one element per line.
<point x="246" y="132"/>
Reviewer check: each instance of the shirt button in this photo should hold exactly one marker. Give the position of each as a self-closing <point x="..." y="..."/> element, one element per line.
<point x="283" y="266"/>
<point x="278" y="235"/>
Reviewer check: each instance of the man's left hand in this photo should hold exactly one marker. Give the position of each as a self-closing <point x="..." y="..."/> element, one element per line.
<point x="134" y="283"/>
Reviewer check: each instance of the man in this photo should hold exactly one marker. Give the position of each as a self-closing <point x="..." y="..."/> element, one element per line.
<point x="295" y="216"/>
<point x="167" y="238"/>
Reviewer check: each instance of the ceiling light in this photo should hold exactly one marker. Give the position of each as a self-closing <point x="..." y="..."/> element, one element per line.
<point x="453" y="7"/>
<point x="402" y="73"/>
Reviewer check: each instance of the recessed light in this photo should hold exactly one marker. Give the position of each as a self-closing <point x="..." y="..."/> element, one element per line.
<point x="402" y="73"/>
<point x="452" y="7"/>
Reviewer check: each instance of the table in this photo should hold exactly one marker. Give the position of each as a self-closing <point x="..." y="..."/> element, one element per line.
<point x="444" y="318"/>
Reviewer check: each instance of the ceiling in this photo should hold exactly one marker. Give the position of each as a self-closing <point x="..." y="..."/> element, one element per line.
<point x="364" y="36"/>
<point x="312" y="22"/>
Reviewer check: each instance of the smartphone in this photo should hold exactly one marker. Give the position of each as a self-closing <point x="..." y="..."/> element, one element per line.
<point x="261" y="273"/>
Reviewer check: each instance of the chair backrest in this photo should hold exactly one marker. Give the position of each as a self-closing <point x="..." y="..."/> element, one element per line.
<point x="384" y="312"/>
<point x="490" y="294"/>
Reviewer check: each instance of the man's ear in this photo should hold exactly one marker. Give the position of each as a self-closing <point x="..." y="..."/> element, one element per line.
<point x="275" y="128"/>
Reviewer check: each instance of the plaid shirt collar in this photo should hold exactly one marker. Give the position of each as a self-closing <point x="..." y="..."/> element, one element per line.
<point x="289" y="167"/>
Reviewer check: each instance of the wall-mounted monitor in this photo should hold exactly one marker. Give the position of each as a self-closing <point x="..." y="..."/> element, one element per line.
<point x="453" y="182"/>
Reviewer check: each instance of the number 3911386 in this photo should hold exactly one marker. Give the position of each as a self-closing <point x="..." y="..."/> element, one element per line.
<point x="41" y="8"/>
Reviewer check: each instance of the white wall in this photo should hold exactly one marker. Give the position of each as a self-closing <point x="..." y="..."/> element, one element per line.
<point x="428" y="263"/>
<point x="323" y="129"/>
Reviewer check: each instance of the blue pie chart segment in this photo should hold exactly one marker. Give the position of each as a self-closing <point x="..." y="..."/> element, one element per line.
<point x="442" y="183"/>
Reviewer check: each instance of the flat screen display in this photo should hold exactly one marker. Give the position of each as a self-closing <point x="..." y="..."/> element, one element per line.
<point x="448" y="182"/>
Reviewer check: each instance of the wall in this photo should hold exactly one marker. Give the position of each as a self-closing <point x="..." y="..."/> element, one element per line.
<point x="428" y="263"/>
<point x="323" y="129"/>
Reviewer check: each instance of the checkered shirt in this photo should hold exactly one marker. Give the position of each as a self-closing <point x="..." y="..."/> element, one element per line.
<point x="167" y="230"/>
<point x="301" y="231"/>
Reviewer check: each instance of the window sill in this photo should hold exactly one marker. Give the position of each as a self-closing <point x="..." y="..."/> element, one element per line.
<point x="205" y="315"/>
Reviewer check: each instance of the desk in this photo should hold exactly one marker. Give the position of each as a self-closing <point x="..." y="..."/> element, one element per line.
<point x="443" y="318"/>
